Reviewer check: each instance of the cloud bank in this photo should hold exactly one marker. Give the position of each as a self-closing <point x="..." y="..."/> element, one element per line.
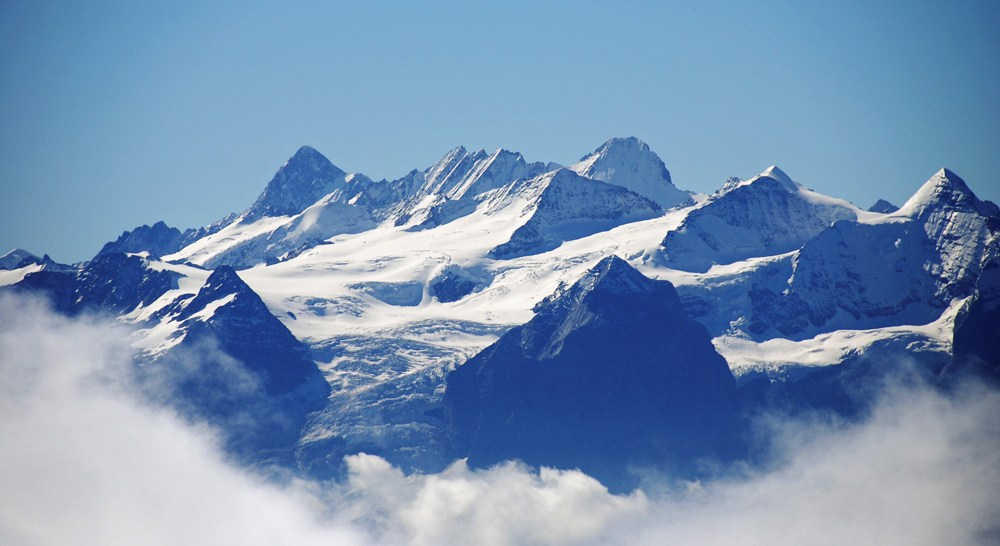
<point x="85" y="460"/>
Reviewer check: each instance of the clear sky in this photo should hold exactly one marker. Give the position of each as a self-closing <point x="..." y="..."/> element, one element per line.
<point x="114" y="115"/>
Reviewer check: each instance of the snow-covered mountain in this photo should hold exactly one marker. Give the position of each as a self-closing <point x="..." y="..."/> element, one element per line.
<point x="345" y="310"/>
<point x="764" y="216"/>
<point x="13" y="259"/>
<point x="628" y="162"/>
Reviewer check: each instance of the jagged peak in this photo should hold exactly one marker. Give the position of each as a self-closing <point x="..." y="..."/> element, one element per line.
<point x="731" y="184"/>
<point x="454" y="154"/>
<point x="502" y="152"/>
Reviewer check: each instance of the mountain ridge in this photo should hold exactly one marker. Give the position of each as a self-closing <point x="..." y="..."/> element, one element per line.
<point x="381" y="291"/>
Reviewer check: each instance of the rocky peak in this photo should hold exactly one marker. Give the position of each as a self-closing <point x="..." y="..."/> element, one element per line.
<point x="612" y="275"/>
<point x="221" y="283"/>
<point x="159" y="240"/>
<point x="883" y="207"/>
<point x="300" y="182"/>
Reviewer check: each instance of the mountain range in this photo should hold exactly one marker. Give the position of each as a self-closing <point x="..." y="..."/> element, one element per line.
<point x="592" y="316"/>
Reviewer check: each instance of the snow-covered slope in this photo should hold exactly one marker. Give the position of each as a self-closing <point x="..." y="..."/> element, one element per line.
<point x="563" y="205"/>
<point x="767" y="215"/>
<point x="310" y="200"/>
<point x="889" y="270"/>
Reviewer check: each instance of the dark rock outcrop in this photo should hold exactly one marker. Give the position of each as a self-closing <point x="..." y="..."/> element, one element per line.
<point x="609" y="376"/>
<point x="111" y="283"/>
<point x="299" y="183"/>
<point x="241" y="369"/>
<point x="883" y="206"/>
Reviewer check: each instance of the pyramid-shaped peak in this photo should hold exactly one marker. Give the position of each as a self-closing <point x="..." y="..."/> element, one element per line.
<point x="883" y="207"/>
<point x="309" y="157"/>
<point x="611" y="275"/>
<point x="777" y="175"/>
<point x="774" y="172"/>
<point x="944" y="191"/>
<point x="616" y="275"/>
<point x="224" y="278"/>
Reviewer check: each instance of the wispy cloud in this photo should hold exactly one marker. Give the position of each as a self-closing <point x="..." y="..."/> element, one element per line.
<point x="83" y="461"/>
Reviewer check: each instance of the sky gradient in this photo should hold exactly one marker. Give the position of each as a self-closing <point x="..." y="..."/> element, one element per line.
<point x="113" y="115"/>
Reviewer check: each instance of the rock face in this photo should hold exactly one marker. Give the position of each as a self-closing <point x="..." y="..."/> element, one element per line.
<point x="767" y="215"/>
<point x="610" y="373"/>
<point x="299" y="183"/>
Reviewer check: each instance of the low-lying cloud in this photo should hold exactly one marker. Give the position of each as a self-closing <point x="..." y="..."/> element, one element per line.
<point x="84" y="461"/>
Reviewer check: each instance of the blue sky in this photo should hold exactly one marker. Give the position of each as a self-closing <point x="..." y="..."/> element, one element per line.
<point x="114" y="115"/>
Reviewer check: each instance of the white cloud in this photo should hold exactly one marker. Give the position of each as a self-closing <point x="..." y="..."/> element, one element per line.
<point x="83" y="462"/>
